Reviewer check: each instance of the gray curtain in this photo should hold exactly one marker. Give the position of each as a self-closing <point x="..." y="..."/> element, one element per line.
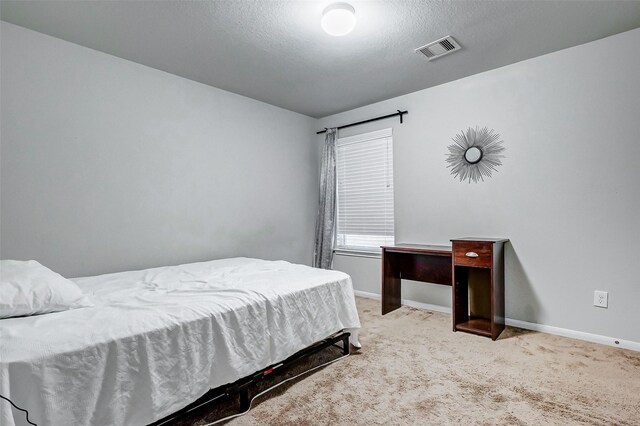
<point x="326" y="220"/>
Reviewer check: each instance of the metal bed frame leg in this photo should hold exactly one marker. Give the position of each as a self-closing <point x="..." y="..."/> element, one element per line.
<point x="244" y="399"/>
<point x="345" y="344"/>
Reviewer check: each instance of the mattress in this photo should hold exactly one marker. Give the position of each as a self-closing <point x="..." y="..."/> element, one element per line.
<point x="160" y="338"/>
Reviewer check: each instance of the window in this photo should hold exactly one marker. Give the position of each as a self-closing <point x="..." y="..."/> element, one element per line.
<point x="365" y="191"/>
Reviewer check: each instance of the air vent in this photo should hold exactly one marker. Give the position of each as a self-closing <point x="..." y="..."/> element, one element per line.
<point x="439" y="48"/>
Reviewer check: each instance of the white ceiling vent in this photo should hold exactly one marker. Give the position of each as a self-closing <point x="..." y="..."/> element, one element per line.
<point x="439" y="48"/>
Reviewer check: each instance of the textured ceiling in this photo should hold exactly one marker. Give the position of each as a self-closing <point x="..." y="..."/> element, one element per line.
<point x="276" y="52"/>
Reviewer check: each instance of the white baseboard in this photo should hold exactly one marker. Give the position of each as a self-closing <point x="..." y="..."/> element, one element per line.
<point x="574" y="334"/>
<point x="412" y="303"/>
<point x="565" y="332"/>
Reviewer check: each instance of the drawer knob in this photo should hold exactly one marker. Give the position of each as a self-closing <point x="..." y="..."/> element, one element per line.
<point x="471" y="254"/>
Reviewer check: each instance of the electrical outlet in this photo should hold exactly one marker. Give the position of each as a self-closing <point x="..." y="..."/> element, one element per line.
<point x="600" y="298"/>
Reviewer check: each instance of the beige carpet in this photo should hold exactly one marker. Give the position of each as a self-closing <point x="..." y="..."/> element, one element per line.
<point x="414" y="370"/>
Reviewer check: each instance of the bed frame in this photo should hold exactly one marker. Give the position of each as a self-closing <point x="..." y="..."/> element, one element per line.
<point x="240" y="388"/>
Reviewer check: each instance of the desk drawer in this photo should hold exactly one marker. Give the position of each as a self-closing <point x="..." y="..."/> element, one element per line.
<point x="472" y="254"/>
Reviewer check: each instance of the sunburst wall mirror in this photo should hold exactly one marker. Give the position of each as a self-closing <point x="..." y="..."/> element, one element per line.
<point x="475" y="154"/>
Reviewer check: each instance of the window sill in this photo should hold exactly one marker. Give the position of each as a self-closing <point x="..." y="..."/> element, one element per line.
<point x="358" y="253"/>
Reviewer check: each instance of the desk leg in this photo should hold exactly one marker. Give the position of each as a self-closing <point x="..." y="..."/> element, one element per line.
<point x="390" y="283"/>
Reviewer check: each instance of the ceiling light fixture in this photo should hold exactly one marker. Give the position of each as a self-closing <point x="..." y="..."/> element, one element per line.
<point x="338" y="19"/>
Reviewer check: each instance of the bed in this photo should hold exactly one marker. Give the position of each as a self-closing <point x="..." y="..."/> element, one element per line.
<point x="158" y="339"/>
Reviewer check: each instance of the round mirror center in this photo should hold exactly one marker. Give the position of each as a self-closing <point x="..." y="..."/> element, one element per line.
<point x="473" y="154"/>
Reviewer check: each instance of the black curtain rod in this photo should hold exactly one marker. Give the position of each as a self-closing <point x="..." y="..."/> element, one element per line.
<point x="395" y="114"/>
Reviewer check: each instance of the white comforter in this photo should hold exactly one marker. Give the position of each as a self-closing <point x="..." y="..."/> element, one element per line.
<point x="160" y="338"/>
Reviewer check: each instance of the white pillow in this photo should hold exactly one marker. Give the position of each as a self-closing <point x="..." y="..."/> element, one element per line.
<point x="27" y="288"/>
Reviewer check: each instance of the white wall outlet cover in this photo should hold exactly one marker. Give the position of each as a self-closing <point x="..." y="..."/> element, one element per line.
<point x="600" y="298"/>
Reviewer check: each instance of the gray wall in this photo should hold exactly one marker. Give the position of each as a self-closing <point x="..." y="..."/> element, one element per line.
<point x="107" y="165"/>
<point x="567" y="196"/>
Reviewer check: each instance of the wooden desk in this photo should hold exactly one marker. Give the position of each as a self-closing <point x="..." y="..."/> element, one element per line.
<point x="412" y="262"/>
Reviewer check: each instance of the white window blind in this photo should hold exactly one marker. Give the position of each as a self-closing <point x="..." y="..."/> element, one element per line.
<point x="365" y="191"/>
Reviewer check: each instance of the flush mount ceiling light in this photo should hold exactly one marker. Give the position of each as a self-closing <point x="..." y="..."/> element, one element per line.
<point x="338" y="19"/>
